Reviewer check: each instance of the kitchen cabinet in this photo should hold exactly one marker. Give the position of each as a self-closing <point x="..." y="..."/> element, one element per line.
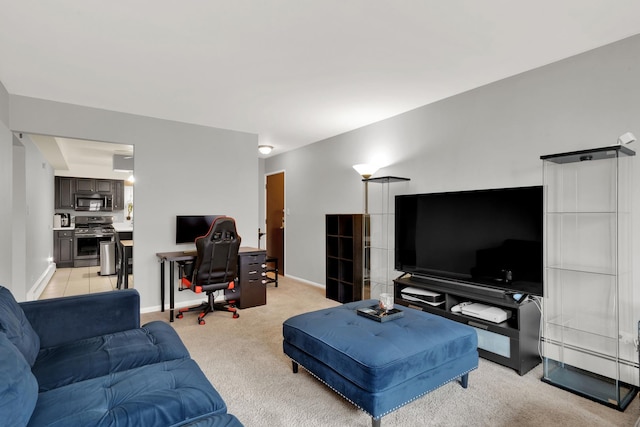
<point x="90" y="185"/>
<point x="63" y="248"/>
<point x="65" y="187"/>
<point x="118" y="195"/>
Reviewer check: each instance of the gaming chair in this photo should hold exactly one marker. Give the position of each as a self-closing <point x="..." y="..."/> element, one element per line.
<point x="215" y="270"/>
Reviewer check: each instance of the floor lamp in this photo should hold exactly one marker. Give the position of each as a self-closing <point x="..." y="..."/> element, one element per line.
<point x="366" y="170"/>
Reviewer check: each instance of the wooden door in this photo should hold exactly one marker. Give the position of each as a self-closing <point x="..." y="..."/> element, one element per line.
<point x="275" y="218"/>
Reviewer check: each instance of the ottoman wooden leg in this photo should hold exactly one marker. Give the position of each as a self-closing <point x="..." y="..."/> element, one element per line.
<point x="294" y="365"/>
<point x="464" y="380"/>
<point x="375" y="422"/>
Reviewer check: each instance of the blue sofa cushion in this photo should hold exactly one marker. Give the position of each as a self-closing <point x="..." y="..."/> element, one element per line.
<point x="64" y="320"/>
<point x="18" y="386"/>
<point x="217" y="420"/>
<point x="404" y="348"/>
<point x="98" y="356"/>
<point x="163" y="394"/>
<point x="15" y="325"/>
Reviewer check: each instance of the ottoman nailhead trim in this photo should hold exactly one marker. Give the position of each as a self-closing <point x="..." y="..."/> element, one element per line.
<point x="390" y="410"/>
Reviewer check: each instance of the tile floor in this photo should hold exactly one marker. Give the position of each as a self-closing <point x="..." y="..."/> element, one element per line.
<point x="77" y="281"/>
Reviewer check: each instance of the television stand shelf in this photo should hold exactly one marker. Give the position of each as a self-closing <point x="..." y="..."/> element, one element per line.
<point x="512" y="343"/>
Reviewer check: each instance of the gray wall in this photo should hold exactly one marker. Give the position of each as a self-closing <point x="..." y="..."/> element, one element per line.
<point x="32" y="245"/>
<point x="489" y="137"/>
<point x="6" y="180"/>
<point x="180" y="169"/>
<point x="26" y="210"/>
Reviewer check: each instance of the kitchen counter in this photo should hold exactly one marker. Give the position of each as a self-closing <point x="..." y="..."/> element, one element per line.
<point x="122" y="227"/>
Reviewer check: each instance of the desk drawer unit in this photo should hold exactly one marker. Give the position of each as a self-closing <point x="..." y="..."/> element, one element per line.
<point x="253" y="289"/>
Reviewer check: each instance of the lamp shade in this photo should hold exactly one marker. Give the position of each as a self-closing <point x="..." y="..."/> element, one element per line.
<point x="265" y="149"/>
<point x="365" y="170"/>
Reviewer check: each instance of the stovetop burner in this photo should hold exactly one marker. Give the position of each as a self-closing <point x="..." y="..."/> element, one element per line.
<point x="94" y="226"/>
<point x="105" y="231"/>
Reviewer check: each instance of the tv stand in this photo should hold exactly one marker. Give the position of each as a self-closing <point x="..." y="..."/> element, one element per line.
<point x="512" y="343"/>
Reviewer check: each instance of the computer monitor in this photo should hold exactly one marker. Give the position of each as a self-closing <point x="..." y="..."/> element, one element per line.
<point x="189" y="227"/>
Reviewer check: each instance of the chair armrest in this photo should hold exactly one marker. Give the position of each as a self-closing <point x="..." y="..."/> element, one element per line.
<point x="67" y="319"/>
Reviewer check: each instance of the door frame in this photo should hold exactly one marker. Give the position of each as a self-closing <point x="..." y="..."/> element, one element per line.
<point x="282" y="262"/>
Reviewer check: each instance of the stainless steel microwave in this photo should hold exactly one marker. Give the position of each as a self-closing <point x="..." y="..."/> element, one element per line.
<point x="94" y="202"/>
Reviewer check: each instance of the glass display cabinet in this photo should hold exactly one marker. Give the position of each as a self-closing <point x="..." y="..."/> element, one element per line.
<point x="589" y="330"/>
<point x="381" y="199"/>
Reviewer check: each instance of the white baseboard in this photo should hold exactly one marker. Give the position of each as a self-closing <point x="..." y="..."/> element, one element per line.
<point x="42" y="282"/>
<point x="178" y="305"/>
<point x="307" y="281"/>
<point x="181" y="304"/>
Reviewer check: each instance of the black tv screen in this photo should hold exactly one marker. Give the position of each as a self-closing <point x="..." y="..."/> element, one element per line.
<point x="484" y="237"/>
<point x="188" y="227"/>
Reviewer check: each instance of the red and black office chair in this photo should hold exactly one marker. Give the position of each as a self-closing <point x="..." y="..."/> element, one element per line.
<point x="215" y="270"/>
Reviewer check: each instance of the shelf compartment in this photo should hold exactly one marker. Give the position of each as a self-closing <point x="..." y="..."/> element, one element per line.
<point x="333" y="246"/>
<point x="602" y="389"/>
<point x="346" y="247"/>
<point x="584" y="242"/>
<point x="562" y="337"/>
<point x="584" y="186"/>
<point x="346" y="270"/>
<point x="333" y="268"/>
<point x="345" y="292"/>
<point x="345" y="225"/>
<point x="582" y="301"/>
<point x="332" y="225"/>
<point x="332" y="288"/>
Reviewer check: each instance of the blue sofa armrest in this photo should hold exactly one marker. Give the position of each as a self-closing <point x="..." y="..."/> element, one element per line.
<point x="67" y="319"/>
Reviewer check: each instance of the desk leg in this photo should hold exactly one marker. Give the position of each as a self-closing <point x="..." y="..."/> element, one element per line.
<point x="171" y="290"/>
<point x="125" y="261"/>
<point x="162" y="285"/>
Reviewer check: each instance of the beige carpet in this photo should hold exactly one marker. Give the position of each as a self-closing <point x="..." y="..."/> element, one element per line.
<point x="243" y="359"/>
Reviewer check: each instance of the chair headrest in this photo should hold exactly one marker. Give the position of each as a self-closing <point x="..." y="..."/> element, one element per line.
<point x="222" y="228"/>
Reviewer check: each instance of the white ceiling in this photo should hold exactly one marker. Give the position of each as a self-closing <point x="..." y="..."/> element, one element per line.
<point x="292" y="71"/>
<point x="81" y="158"/>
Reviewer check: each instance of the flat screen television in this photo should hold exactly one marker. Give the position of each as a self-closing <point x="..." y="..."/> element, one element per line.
<point x="491" y="238"/>
<point x="188" y="227"/>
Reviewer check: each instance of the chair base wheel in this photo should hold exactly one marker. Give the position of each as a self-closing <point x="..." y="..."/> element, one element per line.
<point x="179" y="316"/>
<point x="236" y="315"/>
<point x="201" y="322"/>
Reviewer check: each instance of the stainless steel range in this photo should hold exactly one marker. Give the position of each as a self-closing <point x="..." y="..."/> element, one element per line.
<point x="89" y="232"/>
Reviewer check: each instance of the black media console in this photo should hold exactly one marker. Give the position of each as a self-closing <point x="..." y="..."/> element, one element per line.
<point x="512" y="343"/>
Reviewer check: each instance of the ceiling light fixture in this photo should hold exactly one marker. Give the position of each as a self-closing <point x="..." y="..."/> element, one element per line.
<point x="265" y="149"/>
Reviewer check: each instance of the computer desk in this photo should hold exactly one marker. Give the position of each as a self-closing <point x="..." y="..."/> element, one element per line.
<point x="251" y="276"/>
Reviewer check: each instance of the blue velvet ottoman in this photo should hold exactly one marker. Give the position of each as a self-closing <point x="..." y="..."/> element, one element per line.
<point x="380" y="367"/>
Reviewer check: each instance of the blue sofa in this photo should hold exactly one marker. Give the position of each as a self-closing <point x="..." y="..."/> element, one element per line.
<point x="85" y="361"/>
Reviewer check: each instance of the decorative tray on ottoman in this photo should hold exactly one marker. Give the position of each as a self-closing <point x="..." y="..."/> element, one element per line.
<point x="376" y="313"/>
